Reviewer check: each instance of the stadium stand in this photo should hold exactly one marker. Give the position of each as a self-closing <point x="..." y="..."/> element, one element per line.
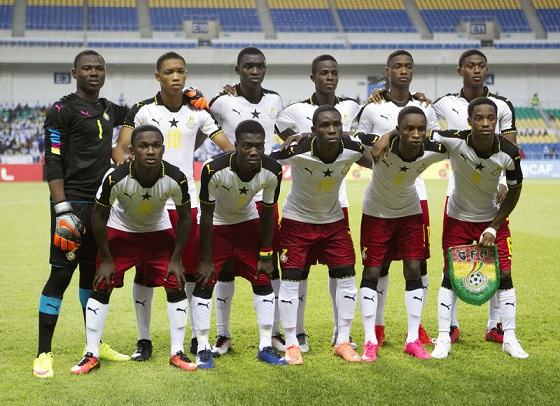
<point x="6" y="12"/>
<point x="302" y="16"/>
<point x="62" y="15"/>
<point x="444" y="15"/>
<point x="232" y="15"/>
<point x="374" y="16"/>
<point x="549" y="14"/>
<point x="112" y="15"/>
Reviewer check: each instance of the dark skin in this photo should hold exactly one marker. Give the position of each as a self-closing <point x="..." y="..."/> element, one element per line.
<point x="148" y="151"/>
<point x="250" y="150"/>
<point x="251" y="71"/>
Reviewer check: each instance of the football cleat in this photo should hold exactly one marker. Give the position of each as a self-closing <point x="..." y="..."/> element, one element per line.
<point x="268" y="355"/>
<point x="86" y="364"/>
<point x="496" y="334"/>
<point x="346" y="352"/>
<point x="512" y="347"/>
<point x="454" y="333"/>
<point x="370" y="352"/>
<point x="143" y="350"/>
<point x="335" y="337"/>
<point x="353" y="344"/>
<point x="43" y="365"/>
<point x="417" y="350"/>
<point x="204" y="359"/>
<point x="193" y="349"/>
<point x="441" y="349"/>
<point x="423" y="336"/>
<point x="278" y="342"/>
<point x="302" y="341"/>
<point x="293" y="355"/>
<point x="180" y="360"/>
<point x="380" y="335"/>
<point x="106" y="353"/>
<point x="222" y="346"/>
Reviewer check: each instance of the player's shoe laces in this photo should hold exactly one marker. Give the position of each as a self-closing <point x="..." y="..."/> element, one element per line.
<point x="293" y="355"/>
<point x="269" y="355"/>
<point x="346" y="352"/>
<point x="43" y="365"/>
<point x="86" y="364"/>
<point x="417" y="350"/>
<point x="454" y="333"/>
<point x="193" y="349"/>
<point x="204" y="359"/>
<point x="302" y="341"/>
<point x="180" y="360"/>
<point x="441" y="349"/>
<point x="222" y="346"/>
<point x="143" y="350"/>
<point x="370" y="352"/>
<point x="380" y="335"/>
<point x="496" y="334"/>
<point x="512" y="347"/>
<point x="278" y="342"/>
<point x="108" y="354"/>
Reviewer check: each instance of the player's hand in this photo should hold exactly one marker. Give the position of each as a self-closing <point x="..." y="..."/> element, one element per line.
<point x="376" y="96"/>
<point x="264" y="266"/>
<point x="421" y="97"/>
<point x="68" y="229"/>
<point x="380" y="148"/>
<point x="230" y="90"/>
<point x="205" y="272"/>
<point x="196" y="98"/>
<point x="487" y="238"/>
<point x="502" y="192"/>
<point x="105" y="273"/>
<point x="175" y="268"/>
<point x="294" y="139"/>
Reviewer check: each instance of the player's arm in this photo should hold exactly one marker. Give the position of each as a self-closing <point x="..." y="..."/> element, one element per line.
<point x="120" y="152"/>
<point x="106" y="270"/>
<point x="264" y="264"/>
<point x="222" y="141"/>
<point x="182" y="232"/>
<point x="380" y="146"/>
<point x="206" y="269"/>
<point x="488" y="236"/>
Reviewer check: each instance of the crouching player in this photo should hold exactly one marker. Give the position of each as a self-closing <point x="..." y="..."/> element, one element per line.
<point x="137" y="229"/>
<point x="230" y="229"/>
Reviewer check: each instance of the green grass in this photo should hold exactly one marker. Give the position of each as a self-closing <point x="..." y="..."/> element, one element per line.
<point x="476" y="372"/>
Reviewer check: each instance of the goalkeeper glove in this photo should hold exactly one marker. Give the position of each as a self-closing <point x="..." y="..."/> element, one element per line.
<point x="69" y="228"/>
<point x="196" y="98"/>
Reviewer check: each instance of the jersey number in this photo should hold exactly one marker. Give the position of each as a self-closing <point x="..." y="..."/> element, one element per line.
<point x="475" y="178"/>
<point x="325" y="185"/>
<point x="399" y="179"/>
<point x="174" y="139"/>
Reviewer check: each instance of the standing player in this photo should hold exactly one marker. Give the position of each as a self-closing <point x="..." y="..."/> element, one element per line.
<point x="78" y="135"/>
<point x="181" y="123"/>
<point x="296" y="118"/>
<point x="231" y="229"/>
<point x="380" y="119"/>
<point x="136" y="229"/>
<point x="478" y="158"/>
<point x="312" y="220"/>
<point x="393" y="221"/>
<point x="473" y="68"/>
<point x="248" y="100"/>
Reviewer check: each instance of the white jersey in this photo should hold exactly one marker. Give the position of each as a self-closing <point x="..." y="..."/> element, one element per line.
<point x="392" y="192"/>
<point x="382" y="118"/>
<point x="221" y="186"/>
<point x="139" y="209"/>
<point x="179" y="128"/>
<point x="299" y="118"/>
<point x="313" y="197"/>
<point x="476" y="178"/>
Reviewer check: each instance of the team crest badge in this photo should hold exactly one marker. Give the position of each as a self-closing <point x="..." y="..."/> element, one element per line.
<point x="498" y="171"/>
<point x="272" y="113"/>
<point x="422" y="168"/>
<point x="283" y="256"/>
<point x="164" y="197"/>
<point x="345" y="119"/>
<point x="71" y="255"/>
<point x="346" y="168"/>
<point x="106" y="116"/>
<point x="190" y="123"/>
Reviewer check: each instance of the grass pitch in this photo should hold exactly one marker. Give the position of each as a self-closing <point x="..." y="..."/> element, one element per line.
<point x="476" y="372"/>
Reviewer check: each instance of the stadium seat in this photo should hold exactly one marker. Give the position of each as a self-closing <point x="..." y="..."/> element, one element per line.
<point x="112" y="15"/>
<point x="378" y="16"/>
<point x="63" y="15"/>
<point x="549" y="14"/>
<point x="6" y="13"/>
<point x="300" y="16"/>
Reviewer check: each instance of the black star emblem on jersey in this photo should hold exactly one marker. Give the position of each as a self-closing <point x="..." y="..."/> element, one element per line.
<point x="243" y="191"/>
<point x="146" y="196"/>
<point x="480" y="166"/>
<point x="173" y="122"/>
<point x="464" y="157"/>
<point x="403" y="168"/>
<point x="255" y="113"/>
<point x="328" y="173"/>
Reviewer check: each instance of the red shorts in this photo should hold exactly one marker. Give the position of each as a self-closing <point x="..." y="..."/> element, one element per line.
<point x="153" y="249"/>
<point x="331" y="243"/>
<point x="241" y="243"/>
<point x="457" y="232"/>
<point x="314" y="253"/>
<point x="189" y="262"/>
<point x="393" y="252"/>
<point x="378" y="235"/>
<point x="276" y="235"/>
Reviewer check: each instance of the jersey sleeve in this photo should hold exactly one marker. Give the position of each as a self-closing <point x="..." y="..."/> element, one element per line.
<point x="367" y="139"/>
<point x="207" y="193"/>
<point x="507" y="119"/>
<point x="209" y="125"/>
<point x="216" y="110"/>
<point x="271" y="190"/>
<point x="106" y="194"/>
<point x="56" y="130"/>
<point x="451" y="139"/>
<point x="130" y="120"/>
<point x="121" y="112"/>
<point x="431" y="116"/>
<point x="365" y="122"/>
<point x="287" y="120"/>
<point x="180" y="193"/>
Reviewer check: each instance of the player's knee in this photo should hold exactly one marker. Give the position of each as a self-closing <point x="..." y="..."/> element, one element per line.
<point x="371" y="273"/>
<point x="423" y="267"/>
<point x="446" y="283"/>
<point x="58" y="281"/>
<point x="413" y="284"/>
<point x="411" y="270"/>
<point x="102" y="296"/>
<point x="262" y="290"/>
<point x="340" y="272"/>
<point x="203" y="293"/>
<point x="293" y="274"/>
<point x="175" y="295"/>
<point x="365" y="283"/>
<point x="139" y="277"/>
<point x="384" y="270"/>
<point x="505" y="282"/>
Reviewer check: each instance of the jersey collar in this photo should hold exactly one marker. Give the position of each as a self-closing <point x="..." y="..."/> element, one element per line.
<point x="159" y="101"/>
<point x="134" y="175"/>
<point x="314" y="150"/>
<point x="240" y="93"/>
<point x="398" y="104"/>
<point x="485" y="93"/>
<point x="394" y="148"/>
<point x="495" y="149"/>
<point x="233" y="163"/>
<point x="313" y="100"/>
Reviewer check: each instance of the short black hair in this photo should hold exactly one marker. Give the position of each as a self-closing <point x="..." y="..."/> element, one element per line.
<point x="248" y="51"/>
<point x="248" y="127"/>
<point x="397" y="53"/>
<point x="142" y="129"/>
<point x="322" y="109"/>
<point x="319" y="59"/>
<point x="478" y="101"/>
<point x="87" y="52"/>
<point x="470" y="52"/>
<point x="166" y="56"/>
<point x="409" y="110"/>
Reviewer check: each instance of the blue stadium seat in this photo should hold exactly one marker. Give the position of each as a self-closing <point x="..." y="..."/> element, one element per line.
<point x="509" y="20"/>
<point x="112" y="19"/>
<point x="354" y="20"/>
<point x="6" y="12"/>
<point x="64" y="18"/>
<point x="550" y="19"/>
<point x="230" y="19"/>
<point x="303" y="20"/>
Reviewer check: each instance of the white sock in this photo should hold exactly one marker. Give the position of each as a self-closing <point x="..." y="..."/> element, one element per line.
<point x="382" y="287"/>
<point x="493" y="312"/>
<point x="178" y="314"/>
<point x="425" y="283"/>
<point x="302" y="301"/>
<point x="454" y="320"/>
<point x="223" y="294"/>
<point x="96" y="314"/>
<point x="346" y="294"/>
<point x="202" y="309"/>
<point x="508" y="309"/>
<point x="413" y="300"/>
<point x="142" y="296"/>
<point x="289" y="301"/>
<point x="189" y="289"/>
<point x="368" y="307"/>
<point x="276" y="288"/>
<point x="264" y="306"/>
<point x="332" y="291"/>
<point x="446" y="300"/>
